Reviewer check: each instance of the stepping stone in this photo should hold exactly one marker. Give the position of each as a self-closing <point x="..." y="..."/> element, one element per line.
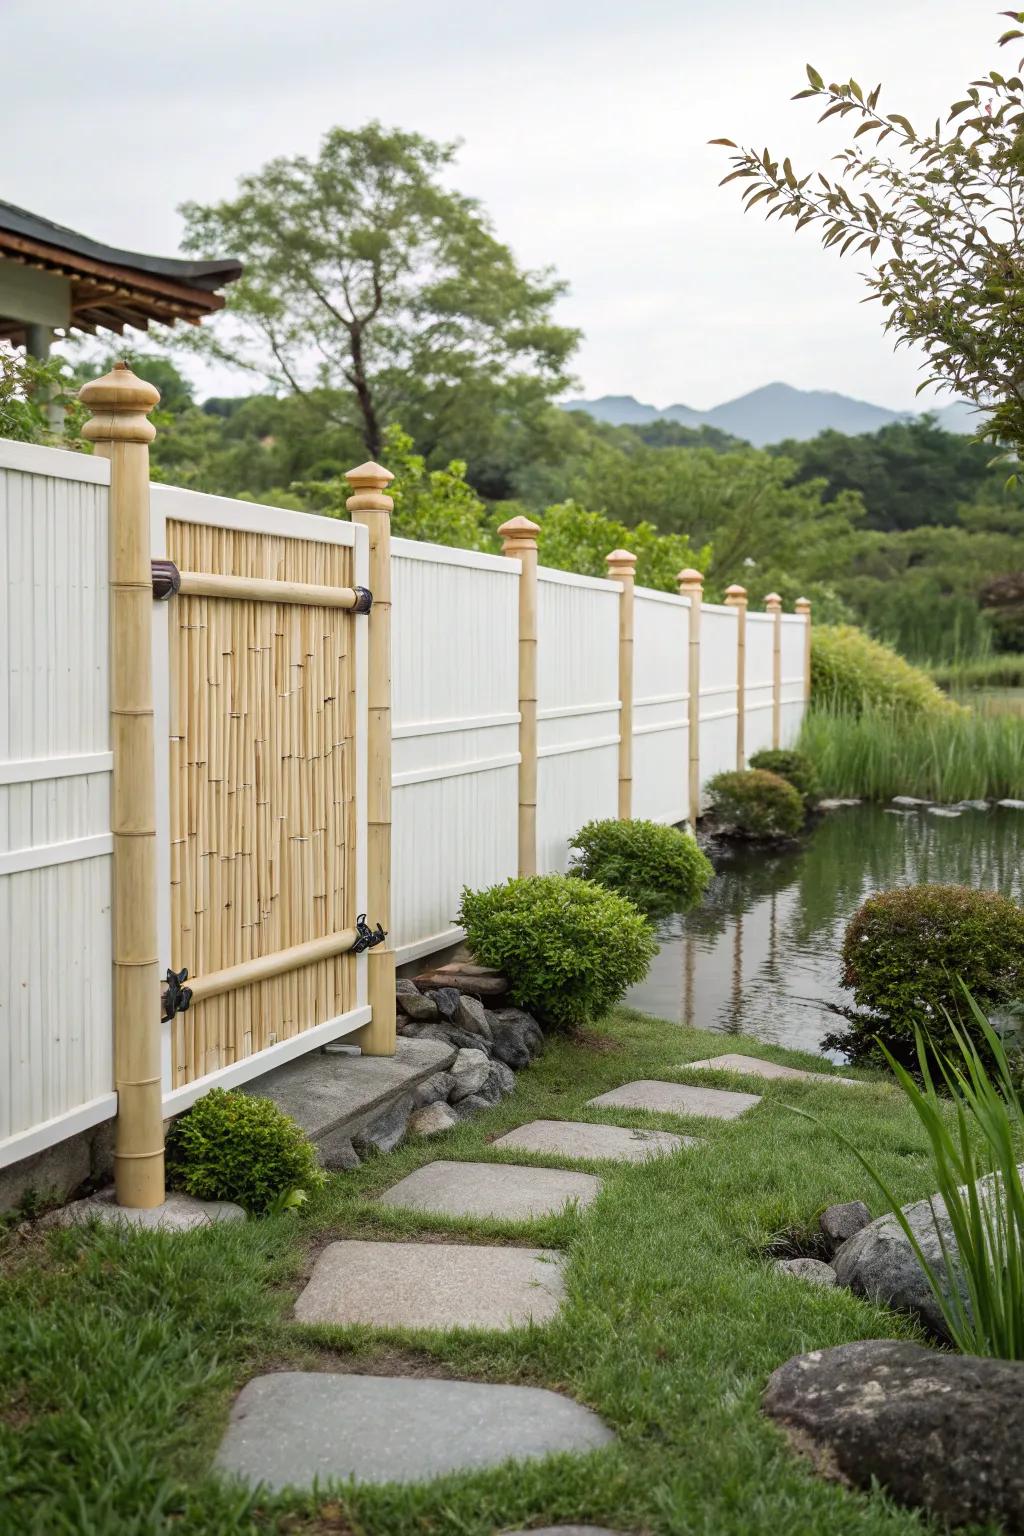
<point x="432" y="1285"/>
<point x="753" y="1066"/>
<point x="491" y="1189"/>
<point x="575" y="1138"/>
<point x="676" y="1099"/>
<point x="292" y="1427"/>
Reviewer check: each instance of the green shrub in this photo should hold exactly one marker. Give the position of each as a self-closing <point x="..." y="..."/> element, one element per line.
<point x="905" y="955"/>
<point x="569" y="947"/>
<point x="235" y="1146"/>
<point x="659" y="869"/>
<point x="755" y="803"/>
<point x="795" y="767"/>
<point x="850" y="670"/>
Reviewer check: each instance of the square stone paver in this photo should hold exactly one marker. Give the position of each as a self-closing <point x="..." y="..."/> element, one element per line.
<point x="293" y="1426"/>
<point x="491" y="1189"/>
<point x="676" y="1099"/>
<point x="432" y="1285"/>
<point x="753" y="1066"/>
<point x="575" y="1138"/>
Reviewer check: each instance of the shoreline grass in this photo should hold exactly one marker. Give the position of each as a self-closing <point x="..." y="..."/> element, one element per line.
<point x="875" y="753"/>
<point x="119" y="1355"/>
<point x="1005" y="670"/>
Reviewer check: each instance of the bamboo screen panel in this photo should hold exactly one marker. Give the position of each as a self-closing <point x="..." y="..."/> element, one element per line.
<point x="262" y="786"/>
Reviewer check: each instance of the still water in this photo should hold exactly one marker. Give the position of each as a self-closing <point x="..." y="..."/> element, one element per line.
<point x="761" y="956"/>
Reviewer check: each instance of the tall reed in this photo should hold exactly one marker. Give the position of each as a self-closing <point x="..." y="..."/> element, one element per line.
<point x="876" y="753"/>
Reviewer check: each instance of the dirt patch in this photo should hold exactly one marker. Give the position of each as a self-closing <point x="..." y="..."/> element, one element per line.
<point x="596" y="1041"/>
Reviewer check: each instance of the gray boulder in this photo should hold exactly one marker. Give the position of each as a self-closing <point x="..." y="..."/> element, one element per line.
<point x="516" y="1035"/>
<point x="447" y="1000"/>
<point x="470" y="1069"/>
<point x="336" y="1152"/>
<point x="451" y="1034"/>
<point x="840" y="1222"/>
<point x="384" y="1133"/>
<point x="432" y="1119"/>
<point x="502" y="1078"/>
<point x="413" y="1004"/>
<point x="472" y="1017"/>
<point x="472" y="1104"/>
<point x="435" y="1090"/>
<point x="939" y="1432"/>
<point x="812" y="1270"/>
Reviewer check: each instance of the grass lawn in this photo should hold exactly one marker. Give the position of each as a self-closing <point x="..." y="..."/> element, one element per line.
<point x="119" y="1355"/>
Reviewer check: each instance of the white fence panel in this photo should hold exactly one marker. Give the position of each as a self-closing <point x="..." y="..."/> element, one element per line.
<point x="719" y="638"/>
<point x="794" y="630"/>
<point x="455" y="750"/>
<point x="661" y="640"/>
<point x="56" y="1069"/>
<point x="577" y="709"/>
<point x="759" y="684"/>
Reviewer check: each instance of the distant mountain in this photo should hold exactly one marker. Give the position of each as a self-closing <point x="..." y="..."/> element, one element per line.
<point x="773" y="413"/>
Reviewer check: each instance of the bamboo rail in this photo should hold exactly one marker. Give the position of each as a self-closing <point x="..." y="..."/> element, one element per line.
<point x="265" y="967"/>
<point x="256" y="589"/>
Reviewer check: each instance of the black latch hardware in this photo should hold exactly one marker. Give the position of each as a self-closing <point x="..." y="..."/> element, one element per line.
<point x="166" y="579"/>
<point x="367" y="937"/>
<point x="363" y="603"/>
<point x="178" y="997"/>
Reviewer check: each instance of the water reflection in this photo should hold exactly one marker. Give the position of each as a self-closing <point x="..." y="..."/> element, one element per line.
<point x="761" y="956"/>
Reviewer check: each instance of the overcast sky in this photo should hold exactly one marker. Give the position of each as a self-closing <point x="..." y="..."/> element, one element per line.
<point x="584" y="126"/>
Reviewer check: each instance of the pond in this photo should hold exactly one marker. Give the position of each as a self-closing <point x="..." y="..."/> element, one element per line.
<point x="761" y="956"/>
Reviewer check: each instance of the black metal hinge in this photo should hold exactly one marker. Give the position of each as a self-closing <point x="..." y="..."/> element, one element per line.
<point x="166" y="579"/>
<point x="363" y="603"/>
<point x="178" y="997"/>
<point x="367" y="937"/>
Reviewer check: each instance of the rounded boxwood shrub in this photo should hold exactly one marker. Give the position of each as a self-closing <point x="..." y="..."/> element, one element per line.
<point x="905" y="954"/>
<point x="795" y="767"/>
<point x="755" y="803"/>
<point x="850" y="670"/>
<point x="235" y="1146"/>
<point x="568" y="947"/>
<point x="658" y="868"/>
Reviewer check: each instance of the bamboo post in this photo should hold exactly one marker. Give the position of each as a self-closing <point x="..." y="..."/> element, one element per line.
<point x="803" y="606"/>
<point x="519" y="541"/>
<point x="736" y="597"/>
<point x="369" y="506"/>
<point x="691" y="585"/>
<point x="773" y="605"/>
<point x="622" y="568"/>
<point x="120" y="404"/>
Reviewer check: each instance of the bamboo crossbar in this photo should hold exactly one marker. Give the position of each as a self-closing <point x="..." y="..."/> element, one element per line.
<point x="265" y="967"/>
<point x="255" y="589"/>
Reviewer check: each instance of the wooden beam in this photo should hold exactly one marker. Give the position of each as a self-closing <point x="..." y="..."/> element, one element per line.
<point x="70" y="263"/>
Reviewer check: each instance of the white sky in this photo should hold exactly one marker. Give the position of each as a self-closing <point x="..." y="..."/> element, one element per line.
<point x="585" y="126"/>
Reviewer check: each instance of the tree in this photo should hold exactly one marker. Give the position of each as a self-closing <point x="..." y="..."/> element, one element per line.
<point x="376" y="294"/>
<point x="941" y="223"/>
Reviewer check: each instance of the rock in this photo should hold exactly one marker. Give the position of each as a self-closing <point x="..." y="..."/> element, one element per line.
<point x="477" y="981"/>
<point x="812" y="1270"/>
<point x="177" y="1213"/>
<point x="971" y="805"/>
<point x="909" y="800"/>
<point x="451" y="1034"/>
<point x="878" y="1262"/>
<point x="447" y="1000"/>
<point x="1011" y="805"/>
<point x="502" y="1076"/>
<point x="415" y="1006"/>
<point x="470" y="1070"/>
<point x="406" y="988"/>
<point x="472" y="1104"/>
<point x="943" y="810"/>
<point x="835" y="804"/>
<point x="503" y="1191"/>
<point x="938" y="1431"/>
<point x="472" y="1017"/>
<point x="384" y="1133"/>
<point x="432" y="1119"/>
<point x="435" y="1090"/>
<point x="517" y="1037"/>
<point x="840" y="1222"/>
<point x="336" y="1152"/>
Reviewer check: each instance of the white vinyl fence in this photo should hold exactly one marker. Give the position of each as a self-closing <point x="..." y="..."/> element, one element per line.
<point x="455" y="760"/>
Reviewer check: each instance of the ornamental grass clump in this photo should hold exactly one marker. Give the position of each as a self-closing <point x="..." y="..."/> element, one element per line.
<point x="756" y="804"/>
<point x="568" y="947"/>
<point x="905" y="954"/>
<point x="851" y="671"/>
<point x="793" y="766"/>
<point x="658" y="868"/>
<point x="236" y="1146"/>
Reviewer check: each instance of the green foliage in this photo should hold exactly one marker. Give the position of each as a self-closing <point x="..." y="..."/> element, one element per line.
<point x="875" y="753"/>
<point x="907" y="951"/>
<point x="937" y="215"/>
<point x="569" y="948"/>
<point x="659" y="869"/>
<point x="755" y="803"/>
<point x="979" y="1287"/>
<point x="1002" y="671"/>
<point x="235" y="1146"/>
<point x="851" y="671"/>
<point x="27" y="388"/>
<point x="573" y="539"/>
<point x="793" y="766"/>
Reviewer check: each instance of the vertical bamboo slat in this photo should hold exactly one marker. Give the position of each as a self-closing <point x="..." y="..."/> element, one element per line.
<point x="736" y="597"/>
<point x="519" y="541"/>
<point x="120" y="404"/>
<point x="369" y="506"/>
<point x="622" y="568"/>
<point x="803" y="606"/>
<point x="773" y="605"/>
<point x="691" y="585"/>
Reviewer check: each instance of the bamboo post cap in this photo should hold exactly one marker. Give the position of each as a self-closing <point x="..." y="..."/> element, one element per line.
<point x="620" y="563"/>
<point x="690" y="580"/>
<point x="802" y="605"/>
<point x="369" y="482"/>
<point x="518" y="533"/>
<point x="120" y="402"/>
<point x="735" y="594"/>
<point x="773" y="602"/>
